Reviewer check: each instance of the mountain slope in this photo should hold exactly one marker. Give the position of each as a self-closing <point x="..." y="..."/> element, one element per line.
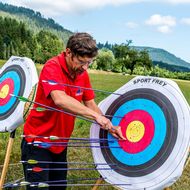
<point x="34" y="20"/>
<point x="161" y="55"/>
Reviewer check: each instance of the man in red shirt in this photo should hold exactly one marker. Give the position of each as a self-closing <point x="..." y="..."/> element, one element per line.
<point x="67" y="68"/>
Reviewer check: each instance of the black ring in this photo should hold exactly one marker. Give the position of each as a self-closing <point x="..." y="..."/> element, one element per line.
<point x="18" y="69"/>
<point x="171" y="135"/>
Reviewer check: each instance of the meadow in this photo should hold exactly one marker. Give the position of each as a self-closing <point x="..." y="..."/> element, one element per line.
<point x="100" y="80"/>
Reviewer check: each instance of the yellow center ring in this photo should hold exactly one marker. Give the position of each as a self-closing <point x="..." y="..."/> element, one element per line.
<point x="135" y="131"/>
<point x="4" y="91"/>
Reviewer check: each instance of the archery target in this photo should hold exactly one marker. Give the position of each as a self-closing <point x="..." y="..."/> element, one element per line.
<point x="18" y="76"/>
<point x="153" y="115"/>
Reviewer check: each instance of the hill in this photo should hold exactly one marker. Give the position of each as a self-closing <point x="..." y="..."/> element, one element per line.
<point x="34" y="20"/>
<point x="165" y="59"/>
<point x="160" y="57"/>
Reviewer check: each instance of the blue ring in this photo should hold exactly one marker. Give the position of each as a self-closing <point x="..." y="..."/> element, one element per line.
<point x="15" y="77"/>
<point x="159" y="134"/>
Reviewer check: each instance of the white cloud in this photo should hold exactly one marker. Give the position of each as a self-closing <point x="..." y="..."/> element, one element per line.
<point x="161" y="20"/>
<point x="131" y="25"/>
<point x="164" y="24"/>
<point x="164" y="29"/>
<point x="60" y="7"/>
<point x="185" y="21"/>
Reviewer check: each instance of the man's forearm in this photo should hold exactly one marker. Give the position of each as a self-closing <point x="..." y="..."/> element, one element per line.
<point x="68" y="103"/>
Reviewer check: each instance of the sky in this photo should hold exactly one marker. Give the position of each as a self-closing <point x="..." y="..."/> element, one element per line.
<point x="154" y="23"/>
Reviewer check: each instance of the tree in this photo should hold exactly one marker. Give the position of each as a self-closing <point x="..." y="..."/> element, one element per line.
<point x="129" y="58"/>
<point x="105" y="60"/>
<point x="49" y="45"/>
<point x="132" y="60"/>
<point x="25" y="51"/>
<point x="121" y="54"/>
<point x="1" y="48"/>
<point x="144" y="59"/>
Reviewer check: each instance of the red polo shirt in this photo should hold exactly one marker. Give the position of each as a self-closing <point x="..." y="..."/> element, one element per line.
<point x="52" y="123"/>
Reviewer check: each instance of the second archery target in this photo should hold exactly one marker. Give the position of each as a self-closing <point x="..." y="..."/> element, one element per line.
<point x="17" y="77"/>
<point x="154" y="118"/>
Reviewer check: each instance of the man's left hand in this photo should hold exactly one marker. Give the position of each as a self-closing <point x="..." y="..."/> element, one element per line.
<point x="116" y="132"/>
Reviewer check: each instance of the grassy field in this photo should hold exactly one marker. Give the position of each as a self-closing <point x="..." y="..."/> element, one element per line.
<point x="100" y="80"/>
<point x="2" y="63"/>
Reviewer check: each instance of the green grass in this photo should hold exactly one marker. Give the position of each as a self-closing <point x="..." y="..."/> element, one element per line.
<point x="2" y="62"/>
<point x="109" y="82"/>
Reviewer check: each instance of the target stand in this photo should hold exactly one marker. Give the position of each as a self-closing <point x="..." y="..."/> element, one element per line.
<point x="154" y="118"/>
<point x="18" y="76"/>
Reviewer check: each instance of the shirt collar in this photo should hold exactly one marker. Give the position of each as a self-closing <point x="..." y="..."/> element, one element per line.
<point x="62" y="61"/>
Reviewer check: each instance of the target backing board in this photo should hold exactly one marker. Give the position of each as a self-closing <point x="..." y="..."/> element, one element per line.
<point x="154" y="118"/>
<point x="17" y="76"/>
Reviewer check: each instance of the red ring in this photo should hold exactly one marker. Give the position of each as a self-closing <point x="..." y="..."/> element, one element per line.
<point x="10" y="83"/>
<point x="148" y="122"/>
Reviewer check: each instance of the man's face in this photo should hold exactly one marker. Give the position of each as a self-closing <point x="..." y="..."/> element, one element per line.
<point x="78" y="64"/>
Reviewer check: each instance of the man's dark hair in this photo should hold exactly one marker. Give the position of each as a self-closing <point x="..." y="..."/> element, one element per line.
<point x="82" y="44"/>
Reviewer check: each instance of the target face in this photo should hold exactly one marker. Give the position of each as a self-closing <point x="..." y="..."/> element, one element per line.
<point x="153" y="116"/>
<point x="17" y="77"/>
<point x="12" y="81"/>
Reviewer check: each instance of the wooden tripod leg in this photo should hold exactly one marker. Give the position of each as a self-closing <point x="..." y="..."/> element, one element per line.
<point x="7" y="158"/>
<point x="99" y="181"/>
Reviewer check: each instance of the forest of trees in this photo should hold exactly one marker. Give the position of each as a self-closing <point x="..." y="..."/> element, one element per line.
<point x="124" y="59"/>
<point x="121" y="59"/>
<point x="30" y="14"/>
<point x="159" y="57"/>
<point x="16" y="39"/>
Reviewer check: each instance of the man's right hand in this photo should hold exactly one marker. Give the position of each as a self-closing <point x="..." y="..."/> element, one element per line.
<point x="107" y="125"/>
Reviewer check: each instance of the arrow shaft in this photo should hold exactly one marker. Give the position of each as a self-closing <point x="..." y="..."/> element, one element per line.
<point x="68" y="143"/>
<point x="21" y="98"/>
<point x="68" y="180"/>
<point x="71" y="138"/>
<point x="79" y="87"/>
<point x="68" y="169"/>
<point x="54" y="109"/>
<point x="63" y="185"/>
<point x="80" y="185"/>
<point x="24" y="183"/>
<point x="48" y="145"/>
<point x="79" y="163"/>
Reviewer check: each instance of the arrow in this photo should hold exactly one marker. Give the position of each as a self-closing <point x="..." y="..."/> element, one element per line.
<point x="72" y="139"/>
<point x="23" y="99"/>
<point x="65" y="143"/>
<point x="48" y="145"/>
<point x="49" y="162"/>
<point x="41" y="109"/>
<point x="79" y="87"/>
<point x="39" y="169"/>
<point x="25" y="183"/>
<point x="41" y="185"/>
